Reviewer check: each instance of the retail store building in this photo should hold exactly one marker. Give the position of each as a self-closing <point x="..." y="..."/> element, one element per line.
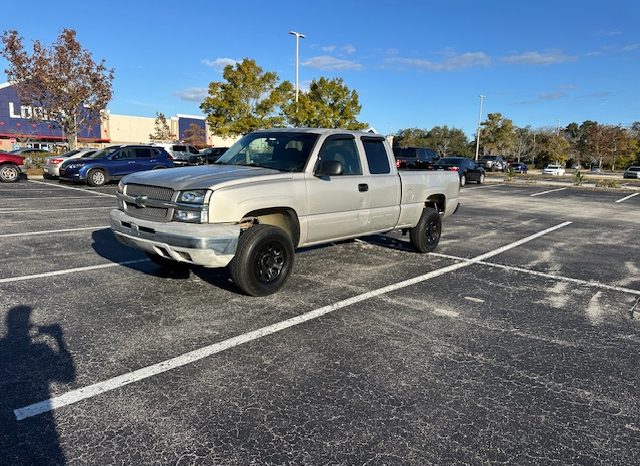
<point x="18" y="129"/>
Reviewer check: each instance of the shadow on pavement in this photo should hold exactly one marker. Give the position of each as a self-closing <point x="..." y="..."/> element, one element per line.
<point x="31" y="357"/>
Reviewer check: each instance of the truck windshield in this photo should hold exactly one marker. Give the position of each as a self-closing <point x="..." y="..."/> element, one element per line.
<point x="281" y="151"/>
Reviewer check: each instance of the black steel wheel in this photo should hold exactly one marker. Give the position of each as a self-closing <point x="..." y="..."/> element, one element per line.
<point x="425" y="236"/>
<point x="263" y="260"/>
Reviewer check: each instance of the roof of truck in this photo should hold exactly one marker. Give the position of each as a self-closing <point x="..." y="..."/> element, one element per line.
<point x="320" y="131"/>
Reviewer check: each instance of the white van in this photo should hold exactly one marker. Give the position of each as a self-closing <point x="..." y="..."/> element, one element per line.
<point x="182" y="154"/>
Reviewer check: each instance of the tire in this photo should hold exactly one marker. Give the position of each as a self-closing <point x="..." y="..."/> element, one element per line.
<point x="9" y="173"/>
<point x="481" y="179"/>
<point x="463" y="179"/>
<point x="168" y="264"/>
<point x="426" y="234"/>
<point x="96" y="177"/>
<point x="263" y="260"/>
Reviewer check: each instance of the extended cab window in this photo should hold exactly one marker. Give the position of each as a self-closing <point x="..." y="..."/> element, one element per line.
<point x="343" y="151"/>
<point x="376" y="156"/>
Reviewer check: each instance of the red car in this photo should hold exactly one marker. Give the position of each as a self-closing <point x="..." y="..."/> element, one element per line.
<point x="11" y="167"/>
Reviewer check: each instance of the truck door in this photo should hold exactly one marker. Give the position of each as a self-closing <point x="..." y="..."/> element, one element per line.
<point x="384" y="187"/>
<point x="338" y="206"/>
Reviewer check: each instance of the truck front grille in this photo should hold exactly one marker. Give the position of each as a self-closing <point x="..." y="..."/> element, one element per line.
<point x="147" y="210"/>
<point x="152" y="192"/>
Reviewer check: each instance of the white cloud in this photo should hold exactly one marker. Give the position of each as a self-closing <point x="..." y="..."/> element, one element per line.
<point x="553" y="95"/>
<point x="539" y="58"/>
<point x="328" y="48"/>
<point x="192" y="94"/>
<point x="453" y="61"/>
<point x="608" y="33"/>
<point x="327" y="63"/>
<point x="630" y="47"/>
<point x="348" y="49"/>
<point x="219" y="63"/>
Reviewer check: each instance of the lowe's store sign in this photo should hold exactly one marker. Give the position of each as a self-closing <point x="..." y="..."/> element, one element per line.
<point x="21" y="121"/>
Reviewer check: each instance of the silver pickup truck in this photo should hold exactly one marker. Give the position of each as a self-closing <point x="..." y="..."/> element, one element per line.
<point x="276" y="190"/>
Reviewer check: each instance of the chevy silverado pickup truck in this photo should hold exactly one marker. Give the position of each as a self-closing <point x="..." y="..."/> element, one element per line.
<point x="276" y="190"/>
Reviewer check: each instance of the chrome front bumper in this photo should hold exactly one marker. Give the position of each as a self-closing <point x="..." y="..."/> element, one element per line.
<point x="199" y="244"/>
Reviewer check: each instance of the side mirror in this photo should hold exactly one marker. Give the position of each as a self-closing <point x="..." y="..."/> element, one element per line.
<point x="329" y="168"/>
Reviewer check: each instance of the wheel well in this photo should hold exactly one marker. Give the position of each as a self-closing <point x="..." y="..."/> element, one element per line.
<point x="437" y="201"/>
<point x="283" y="217"/>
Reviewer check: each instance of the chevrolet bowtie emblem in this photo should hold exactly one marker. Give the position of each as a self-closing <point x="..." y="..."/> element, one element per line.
<point x="141" y="201"/>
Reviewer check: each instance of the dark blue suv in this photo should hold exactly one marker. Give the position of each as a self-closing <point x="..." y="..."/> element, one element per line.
<point x="114" y="162"/>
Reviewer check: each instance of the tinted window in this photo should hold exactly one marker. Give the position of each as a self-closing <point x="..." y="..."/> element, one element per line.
<point x="376" y="156"/>
<point x="193" y="150"/>
<point x="179" y="148"/>
<point x="126" y="153"/>
<point x="142" y="153"/>
<point x="404" y="152"/>
<point x="343" y="151"/>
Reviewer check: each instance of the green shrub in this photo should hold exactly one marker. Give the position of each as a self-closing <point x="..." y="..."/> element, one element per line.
<point x="578" y="178"/>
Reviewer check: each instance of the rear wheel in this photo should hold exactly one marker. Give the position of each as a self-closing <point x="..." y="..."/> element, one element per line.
<point x="9" y="173"/>
<point x="463" y="180"/>
<point x="263" y="260"/>
<point x="481" y="179"/>
<point x="426" y="234"/>
<point x="96" y="177"/>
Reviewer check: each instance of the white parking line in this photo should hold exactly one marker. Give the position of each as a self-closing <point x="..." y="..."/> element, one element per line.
<point x="628" y="197"/>
<point x="45" y="232"/>
<point x="114" y="383"/>
<point x="575" y="281"/>
<point x="69" y="187"/>
<point x="9" y="211"/>
<point x="68" y="271"/>
<point x="547" y="192"/>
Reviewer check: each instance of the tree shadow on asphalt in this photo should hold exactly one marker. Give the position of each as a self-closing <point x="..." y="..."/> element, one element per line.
<point x="106" y="245"/>
<point x="31" y="357"/>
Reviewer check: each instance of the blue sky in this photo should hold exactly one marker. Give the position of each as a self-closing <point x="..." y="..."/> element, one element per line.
<point x="413" y="63"/>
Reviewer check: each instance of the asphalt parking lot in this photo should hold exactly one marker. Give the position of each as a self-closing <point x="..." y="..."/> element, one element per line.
<point x="517" y="342"/>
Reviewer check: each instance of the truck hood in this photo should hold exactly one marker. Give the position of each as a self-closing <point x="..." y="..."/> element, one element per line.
<point x="200" y="177"/>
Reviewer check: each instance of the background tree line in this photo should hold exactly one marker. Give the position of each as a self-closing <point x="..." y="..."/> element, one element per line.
<point x="588" y="143"/>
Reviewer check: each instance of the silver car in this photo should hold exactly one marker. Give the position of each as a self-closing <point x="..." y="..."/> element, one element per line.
<point x="632" y="172"/>
<point x="52" y="164"/>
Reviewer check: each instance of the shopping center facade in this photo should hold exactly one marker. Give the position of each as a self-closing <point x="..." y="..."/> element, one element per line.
<point x="19" y="129"/>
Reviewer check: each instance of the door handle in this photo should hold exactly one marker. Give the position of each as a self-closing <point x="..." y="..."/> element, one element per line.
<point x="363" y="187"/>
<point x="133" y="161"/>
<point x="152" y="160"/>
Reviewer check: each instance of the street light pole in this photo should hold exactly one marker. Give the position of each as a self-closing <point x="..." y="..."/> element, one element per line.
<point x="478" y="131"/>
<point x="298" y="37"/>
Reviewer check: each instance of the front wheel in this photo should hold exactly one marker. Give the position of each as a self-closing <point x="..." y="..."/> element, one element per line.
<point x="481" y="179"/>
<point x="96" y="177"/>
<point x="9" y="173"/>
<point x="263" y="260"/>
<point x="426" y="234"/>
<point x="463" y="180"/>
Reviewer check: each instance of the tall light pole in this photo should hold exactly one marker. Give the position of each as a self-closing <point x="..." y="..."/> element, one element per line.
<point x="298" y="37"/>
<point x="478" y="130"/>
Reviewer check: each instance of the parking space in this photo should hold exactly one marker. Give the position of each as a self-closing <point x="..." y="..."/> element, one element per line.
<point x="516" y="342"/>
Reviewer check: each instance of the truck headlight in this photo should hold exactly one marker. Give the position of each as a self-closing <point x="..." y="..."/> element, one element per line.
<point x="192" y="216"/>
<point x="195" y="196"/>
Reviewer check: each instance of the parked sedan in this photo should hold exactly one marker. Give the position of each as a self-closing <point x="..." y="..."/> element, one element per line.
<point x="632" y="172"/>
<point x="519" y="167"/>
<point x="556" y="170"/>
<point x="467" y="169"/>
<point x="113" y="163"/>
<point x="52" y="164"/>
